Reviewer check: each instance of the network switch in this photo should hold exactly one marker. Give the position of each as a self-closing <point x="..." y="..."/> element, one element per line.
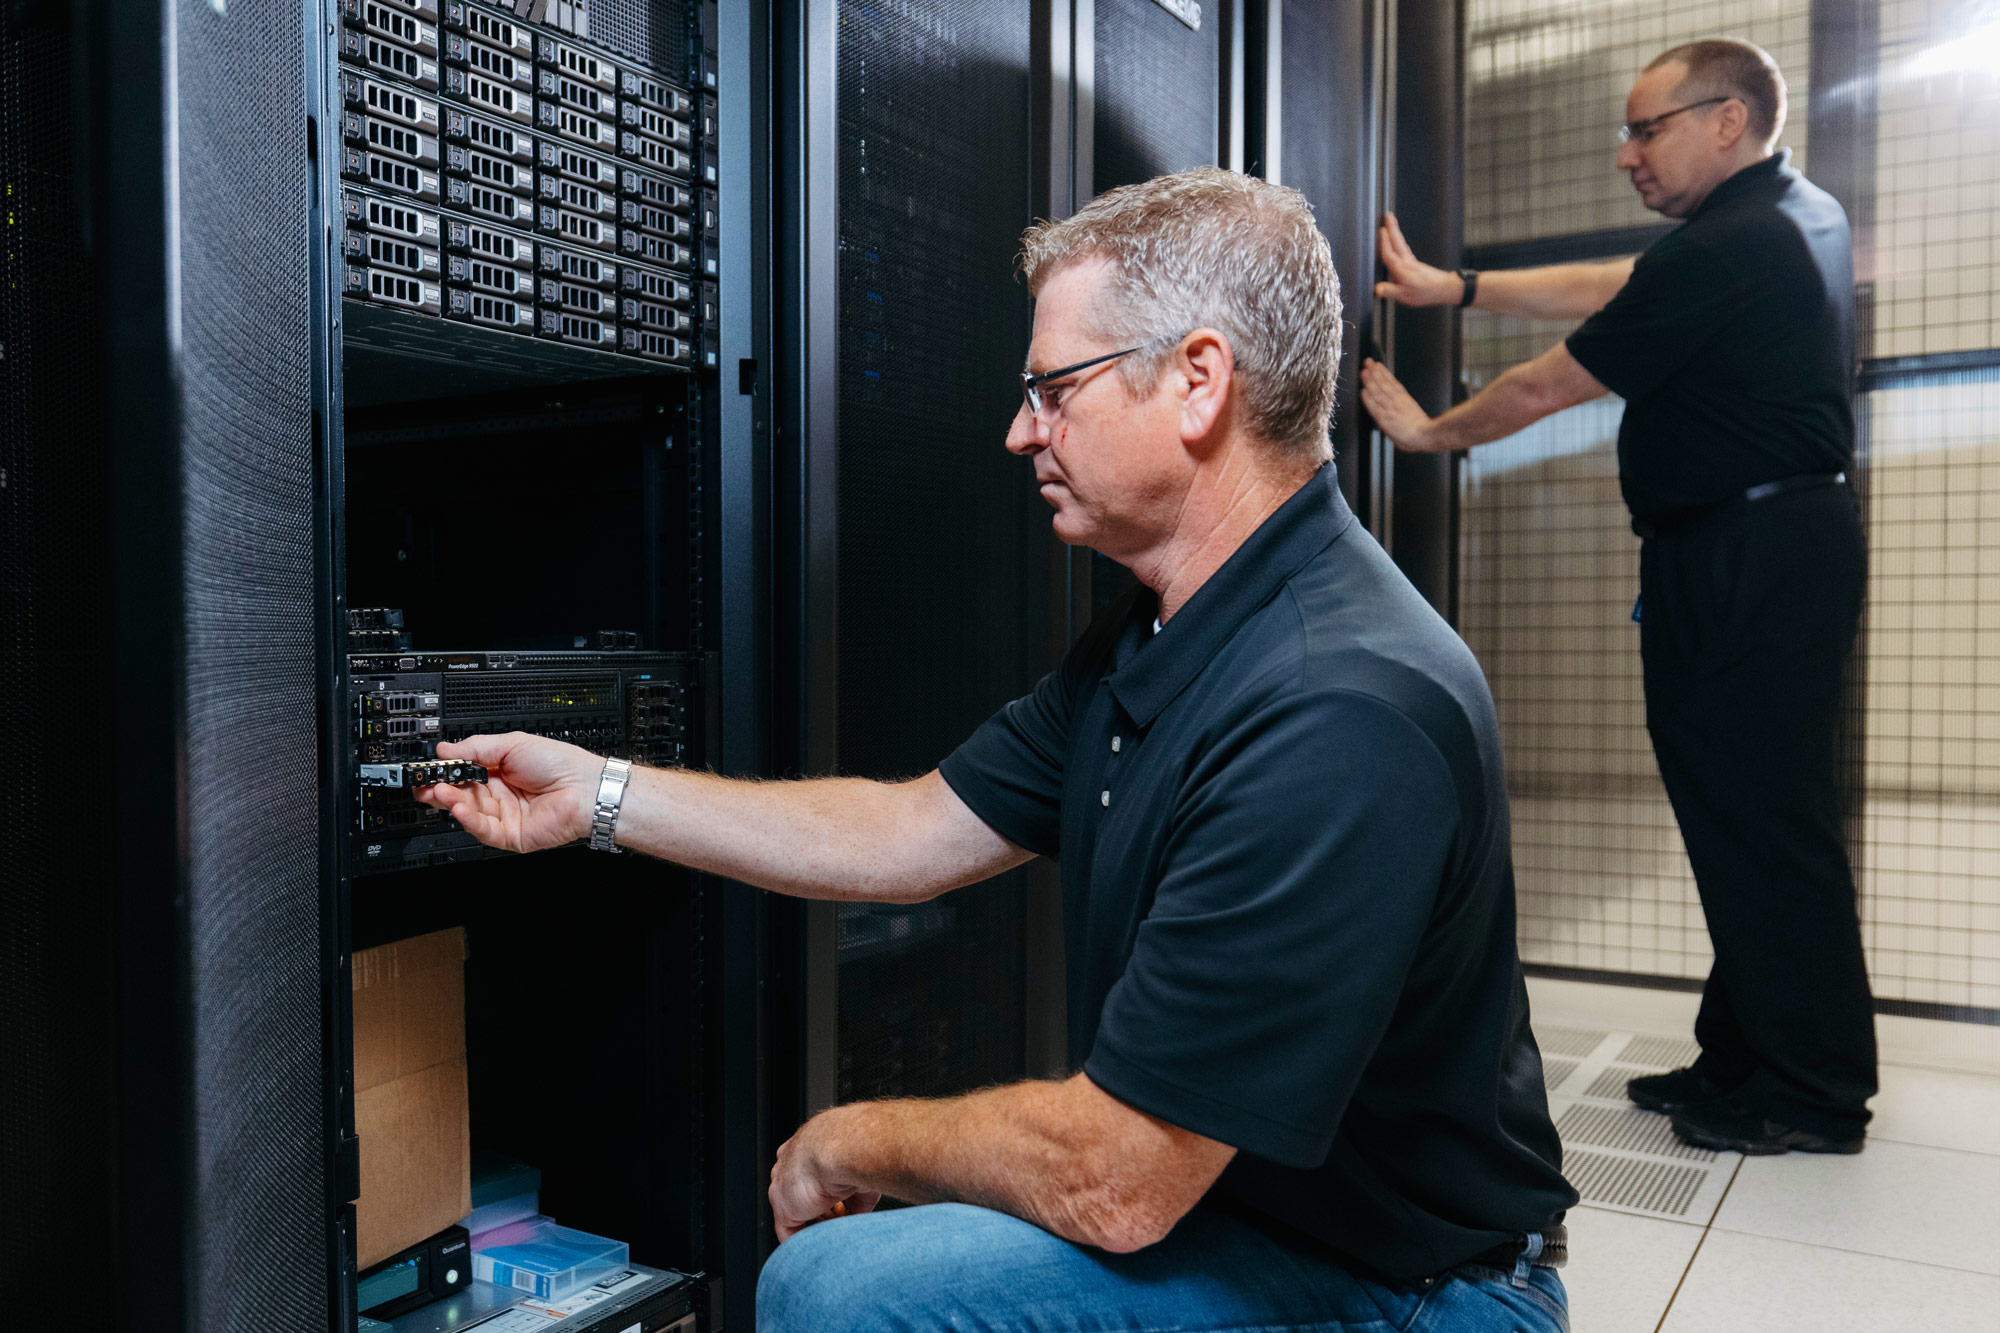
<point x="484" y="275"/>
<point x="391" y="217"/>
<point x="396" y="289"/>
<point x="486" y="200"/>
<point x="588" y="199"/>
<point x="577" y="266"/>
<point x="639" y="314"/>
<point x="640" y="706"/>
<point x="386" y="252"/>
<point x="360" y="93"/>
<point x="491" y="136"/>
<point x="655" y="154"/>
<point x="490" y="243"/>
<point x="654" y="285"/>
<point x="653" y="249"/>
<point x="654" y="346"/>
<point x="367" y="49"/>
<point x="494" y="311"/>
<point x="375" y="617"/>
<point x="576" y="126"/>
<point x="653" y="218"/>
<point x="655" y="124"/>
<point x="576" y="227"/>
<point x="584" y="330"/>
<point x="387" y="173"/>
<point x="503" y="33"/>
<point x="554" y="293"/>
<point x="577" y="63"/>
<point x="656" y="190"/>
<point x="391" y="21"/>
<point x="388" y="137"/>
<point x="475" y="88"/>
<point x="656" y="93"/>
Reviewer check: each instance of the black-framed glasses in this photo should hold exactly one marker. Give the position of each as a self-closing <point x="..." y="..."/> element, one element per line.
<point x="1031" y="384"/>
<point x="1644" y="130"/>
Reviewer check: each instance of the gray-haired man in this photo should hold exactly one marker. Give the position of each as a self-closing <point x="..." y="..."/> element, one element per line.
<point x="1308" y="1095"/>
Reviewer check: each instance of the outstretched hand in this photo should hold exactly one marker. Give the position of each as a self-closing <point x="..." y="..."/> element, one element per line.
<point x="1412" y="282"/>
<point x="538" y="793"/>
<point x="1396" y="414"/>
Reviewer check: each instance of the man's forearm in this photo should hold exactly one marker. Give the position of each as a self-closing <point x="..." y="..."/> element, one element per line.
<point x="845" y="838"/>
<point x="1558" y="292"/>
<point x="1034" y="1150"/>
<point x="1510" y="403"/>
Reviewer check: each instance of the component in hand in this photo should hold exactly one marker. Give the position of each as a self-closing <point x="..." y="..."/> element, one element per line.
<point x="423" y="773"/>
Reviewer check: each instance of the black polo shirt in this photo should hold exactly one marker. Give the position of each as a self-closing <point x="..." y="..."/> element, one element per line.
<point x="1732" y="345"/>
<point x="1289" y="899"/>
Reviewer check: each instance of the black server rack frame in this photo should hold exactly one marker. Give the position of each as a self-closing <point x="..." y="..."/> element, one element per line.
<point x="449" y="198"/>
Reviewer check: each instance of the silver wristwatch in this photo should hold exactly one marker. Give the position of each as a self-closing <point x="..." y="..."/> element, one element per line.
<point x="610" y="795"/>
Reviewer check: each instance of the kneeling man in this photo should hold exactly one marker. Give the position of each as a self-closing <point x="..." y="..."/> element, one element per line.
<point x="1308" y="1096"/>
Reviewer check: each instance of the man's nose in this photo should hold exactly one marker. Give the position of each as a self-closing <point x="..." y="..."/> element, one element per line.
<point x="1628" y="155"/>
<point x="1024" y="437"/>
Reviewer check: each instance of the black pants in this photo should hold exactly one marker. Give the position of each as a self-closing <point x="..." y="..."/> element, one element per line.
<point x="1747" y="621"/>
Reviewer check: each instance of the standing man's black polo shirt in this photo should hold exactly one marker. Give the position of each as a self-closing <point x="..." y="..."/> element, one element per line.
<point x="1289" y="892"/>
<point x="1732" y="345"/>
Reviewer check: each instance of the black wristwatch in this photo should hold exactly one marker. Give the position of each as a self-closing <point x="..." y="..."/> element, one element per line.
<point x="1470" y="277"/>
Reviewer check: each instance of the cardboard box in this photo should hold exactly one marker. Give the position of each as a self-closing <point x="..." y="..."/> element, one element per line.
<point x="409" y="1092"/>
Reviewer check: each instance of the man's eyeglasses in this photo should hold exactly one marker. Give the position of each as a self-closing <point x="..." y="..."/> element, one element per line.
<point x="1031" y="384"/>
<point x="1642" y="131"/>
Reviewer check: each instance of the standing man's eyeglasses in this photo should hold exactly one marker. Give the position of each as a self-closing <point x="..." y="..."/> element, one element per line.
<point x="1031" y="384"/>
<point x="1642" y="131"/>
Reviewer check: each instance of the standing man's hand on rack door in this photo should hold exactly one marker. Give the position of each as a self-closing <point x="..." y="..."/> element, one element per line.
<point x="538" y="793"/>
<point x="1412" y="282"/>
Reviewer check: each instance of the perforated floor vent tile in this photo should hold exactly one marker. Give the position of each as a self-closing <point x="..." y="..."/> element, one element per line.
<point x="1659" y="1189"/>
<point x="1610" y="1081"/>
<point x="1556" y="1072"/>
<point x="1629" y="1128"/>
<point x="1568" y="1041"/>
<point x="1660" y="1052"/>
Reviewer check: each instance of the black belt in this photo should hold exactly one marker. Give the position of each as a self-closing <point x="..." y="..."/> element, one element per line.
<point x="1667" y="522"/>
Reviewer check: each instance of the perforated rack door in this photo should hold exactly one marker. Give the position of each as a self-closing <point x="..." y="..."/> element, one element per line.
<point x="1157" y="84"/>
<point x="943" y="540"/>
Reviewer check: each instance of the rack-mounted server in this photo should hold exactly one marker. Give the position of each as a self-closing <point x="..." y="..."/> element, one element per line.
<point x="505" y="172"/>
<point x="641" y="706"/>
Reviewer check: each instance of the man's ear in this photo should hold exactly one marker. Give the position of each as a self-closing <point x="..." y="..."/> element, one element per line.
<point x="1206" y="365"/>
<point x="1732" y="122"/>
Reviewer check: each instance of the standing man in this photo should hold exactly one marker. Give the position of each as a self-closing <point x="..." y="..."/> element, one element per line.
<point x="1307" y="1096"/>
<point x="1732" y="343"/>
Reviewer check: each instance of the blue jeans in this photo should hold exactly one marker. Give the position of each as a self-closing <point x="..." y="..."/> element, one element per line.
<point x="953" y="1266"/>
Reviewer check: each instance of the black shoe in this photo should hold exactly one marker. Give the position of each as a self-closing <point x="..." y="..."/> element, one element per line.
<point x="1730" y="1125"/>
<point x="1671" y="1092"/>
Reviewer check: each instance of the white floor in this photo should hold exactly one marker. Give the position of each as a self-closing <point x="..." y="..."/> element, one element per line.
<point x="1905" y="1236"/>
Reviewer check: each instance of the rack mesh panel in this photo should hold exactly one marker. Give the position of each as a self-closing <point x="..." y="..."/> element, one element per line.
<point x="1156" y="92"/>
<point x="943" y="539"/>
<point x="56" y="1034"/>
<point x="254" y="903"/>
<point x="1545" y="91"/>
<point x="653" y="31"/>
<point x="1937" y="223"/>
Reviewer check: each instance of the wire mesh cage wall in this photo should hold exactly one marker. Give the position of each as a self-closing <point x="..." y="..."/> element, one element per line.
<point x="1549" y="567"/>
